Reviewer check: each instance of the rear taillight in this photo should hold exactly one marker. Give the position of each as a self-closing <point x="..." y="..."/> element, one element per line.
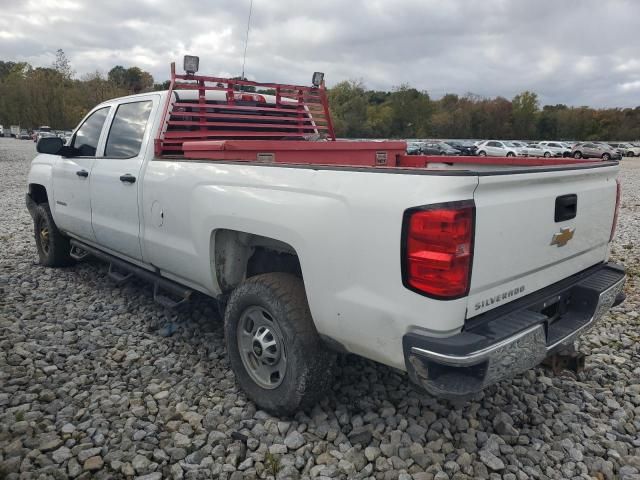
<point x="437" y="249"/>
<point x="615" y="215"/>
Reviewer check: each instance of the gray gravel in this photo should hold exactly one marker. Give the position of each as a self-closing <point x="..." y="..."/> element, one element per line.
<point x="90" y="388"/>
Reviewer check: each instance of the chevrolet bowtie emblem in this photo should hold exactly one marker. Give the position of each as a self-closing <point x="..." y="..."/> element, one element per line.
<point x="562" y="238"/>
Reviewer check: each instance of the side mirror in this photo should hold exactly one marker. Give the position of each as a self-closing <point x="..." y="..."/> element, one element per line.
<point x="50" y="145"/>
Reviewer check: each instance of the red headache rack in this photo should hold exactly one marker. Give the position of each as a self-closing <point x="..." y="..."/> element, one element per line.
<point x="270" y="111"/>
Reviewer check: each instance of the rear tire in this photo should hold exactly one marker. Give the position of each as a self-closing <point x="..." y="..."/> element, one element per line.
<point x="274" y="349"/>
<point x="511" y="154"/>
<point x="606" y="157"/>
<point x="53" y="247"/>
<point x="629" y="154"/>
<point x="482" y="153"/>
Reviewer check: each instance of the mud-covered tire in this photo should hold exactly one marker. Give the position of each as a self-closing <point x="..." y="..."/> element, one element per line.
<point x="53" y="247"/>
<point x="280" y="298"/>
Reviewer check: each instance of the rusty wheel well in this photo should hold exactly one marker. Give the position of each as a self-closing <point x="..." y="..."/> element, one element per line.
<point x="237" y="256"/>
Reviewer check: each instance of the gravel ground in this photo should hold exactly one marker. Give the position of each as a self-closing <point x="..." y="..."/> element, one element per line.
<point x="90" y="387"/>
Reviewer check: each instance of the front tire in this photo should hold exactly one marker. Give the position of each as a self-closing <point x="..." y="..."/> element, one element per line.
<point x="511" y="154"/>
<point x="482" y="153"/>
<point x="629" y="154"/>
<point x="547" y="154"/>
<point x="274" y="348"/>
<point x="577" y="155"/>
<point x="606" y="157"/>
<point x="53" y="247"/>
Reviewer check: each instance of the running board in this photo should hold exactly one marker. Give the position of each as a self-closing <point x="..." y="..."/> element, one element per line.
<point x="166" y="292"/>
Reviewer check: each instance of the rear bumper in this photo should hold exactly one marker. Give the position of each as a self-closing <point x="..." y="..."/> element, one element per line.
<point x="515" y="337"/>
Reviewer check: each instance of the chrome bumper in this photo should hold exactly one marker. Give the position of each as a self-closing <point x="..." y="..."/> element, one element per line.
<point x="453" y="367"/>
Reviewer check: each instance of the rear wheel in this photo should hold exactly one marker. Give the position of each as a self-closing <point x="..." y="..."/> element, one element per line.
<point x="629" y="154"/>
<point x="577" y="155"/>
<point x="606" y="157"/>
<point x="274" y="348"/>
<point x="482" y="153"/>
<point x="53" y="247"/>
<point x="511" y="154"/>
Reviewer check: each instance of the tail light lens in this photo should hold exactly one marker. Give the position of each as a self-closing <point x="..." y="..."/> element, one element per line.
<point x="438" y="249"/>
<point x="615" y="215"/>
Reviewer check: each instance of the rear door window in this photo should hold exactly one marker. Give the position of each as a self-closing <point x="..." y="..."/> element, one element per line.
<point x="127" y="129"/>
<point x="86" y="138"/>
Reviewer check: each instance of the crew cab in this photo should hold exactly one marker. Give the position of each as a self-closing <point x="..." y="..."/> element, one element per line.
<point x="462" y="271"/>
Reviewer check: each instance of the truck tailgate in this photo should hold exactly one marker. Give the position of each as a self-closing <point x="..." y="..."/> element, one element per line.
<point x="520" y="247"/>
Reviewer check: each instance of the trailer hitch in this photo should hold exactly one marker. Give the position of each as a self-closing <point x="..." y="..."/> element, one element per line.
<point x="567" y="359"/>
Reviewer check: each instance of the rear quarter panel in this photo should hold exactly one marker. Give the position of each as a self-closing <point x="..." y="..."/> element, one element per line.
<point x="344" y="225"/>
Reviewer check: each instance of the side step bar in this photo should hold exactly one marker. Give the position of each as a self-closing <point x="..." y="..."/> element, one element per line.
<point x="117" y="267"/>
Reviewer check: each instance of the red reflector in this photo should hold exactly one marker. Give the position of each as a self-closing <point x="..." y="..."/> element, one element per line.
<point x="615" y="215"/>
<point x="438" y="249"/>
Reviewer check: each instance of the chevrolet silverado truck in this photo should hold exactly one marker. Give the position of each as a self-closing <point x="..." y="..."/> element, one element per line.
<point x="461" y="271"/>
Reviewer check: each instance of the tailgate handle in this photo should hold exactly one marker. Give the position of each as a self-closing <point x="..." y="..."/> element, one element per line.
<point x="566" y="207"/>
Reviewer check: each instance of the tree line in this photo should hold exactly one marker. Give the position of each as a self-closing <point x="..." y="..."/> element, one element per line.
<point x="32" y="96"/>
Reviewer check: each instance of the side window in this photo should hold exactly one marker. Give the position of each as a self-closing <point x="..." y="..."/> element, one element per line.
<point x="127" y="129"/>
<point x="86" y="138"/>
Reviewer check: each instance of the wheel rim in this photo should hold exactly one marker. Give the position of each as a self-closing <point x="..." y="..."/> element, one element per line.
<point x="43" y="234"/>
<point x="605" y="156"/>
<point x="261" y="347"/>
<point x="482" y="154"/>
<point x="577" y="155"/>
<point x="547" y="154"/>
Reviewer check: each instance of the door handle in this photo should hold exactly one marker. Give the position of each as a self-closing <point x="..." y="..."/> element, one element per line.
<point x="82" y="173"/>
<point x="128" y="178"/>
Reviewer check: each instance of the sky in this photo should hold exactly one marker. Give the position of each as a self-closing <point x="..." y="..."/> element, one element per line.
<point x="576" y="52"/>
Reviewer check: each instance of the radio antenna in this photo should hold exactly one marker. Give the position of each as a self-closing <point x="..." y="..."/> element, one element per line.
<point x="246" y="39"/>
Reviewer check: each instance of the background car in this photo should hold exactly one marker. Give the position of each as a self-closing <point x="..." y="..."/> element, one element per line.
<point x="533" y="150"/>
<point x="414" y="148"/>
<point x="439" y="147"/>
<point x="554" y="149"/>
<point x="595" y="150"/>
<point x="465" y="148"/>
<point x="496" y="148"/>
<point x="627" y="149"/>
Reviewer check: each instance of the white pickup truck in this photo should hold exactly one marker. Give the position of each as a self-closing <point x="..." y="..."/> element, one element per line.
<point x="461" y="271"/>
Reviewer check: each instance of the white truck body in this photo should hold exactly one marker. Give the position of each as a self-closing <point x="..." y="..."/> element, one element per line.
<point x="344" y="225"/>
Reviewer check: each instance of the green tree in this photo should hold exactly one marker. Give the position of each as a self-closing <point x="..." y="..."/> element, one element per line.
<point x="524" y="110"/>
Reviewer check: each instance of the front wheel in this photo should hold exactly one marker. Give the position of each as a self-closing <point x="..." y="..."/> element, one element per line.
<point x="511" y="154"/>
<point x="482" y="153"/>
<point x="629" y="154"/>
<point x="274" y="348"/>
<point x="547" y="154"/>
<point x="53" y="248"/>
<point x="577" y="155"/>
<point x="606" y="157"/>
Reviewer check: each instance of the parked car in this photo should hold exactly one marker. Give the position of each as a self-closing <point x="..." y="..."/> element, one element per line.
<point x="555" y="149"/>
<point x="414" y="148"/>
<point x="439" y="148"/>
<point x="495" y="148"/>
<point x="352" y="251"/>
<point x="627" y="149"/>
<point x="24" y="135"/>
<point x="595" y="150"/>
<point x="465" y="148"/>
<point x="533" y="150"/>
